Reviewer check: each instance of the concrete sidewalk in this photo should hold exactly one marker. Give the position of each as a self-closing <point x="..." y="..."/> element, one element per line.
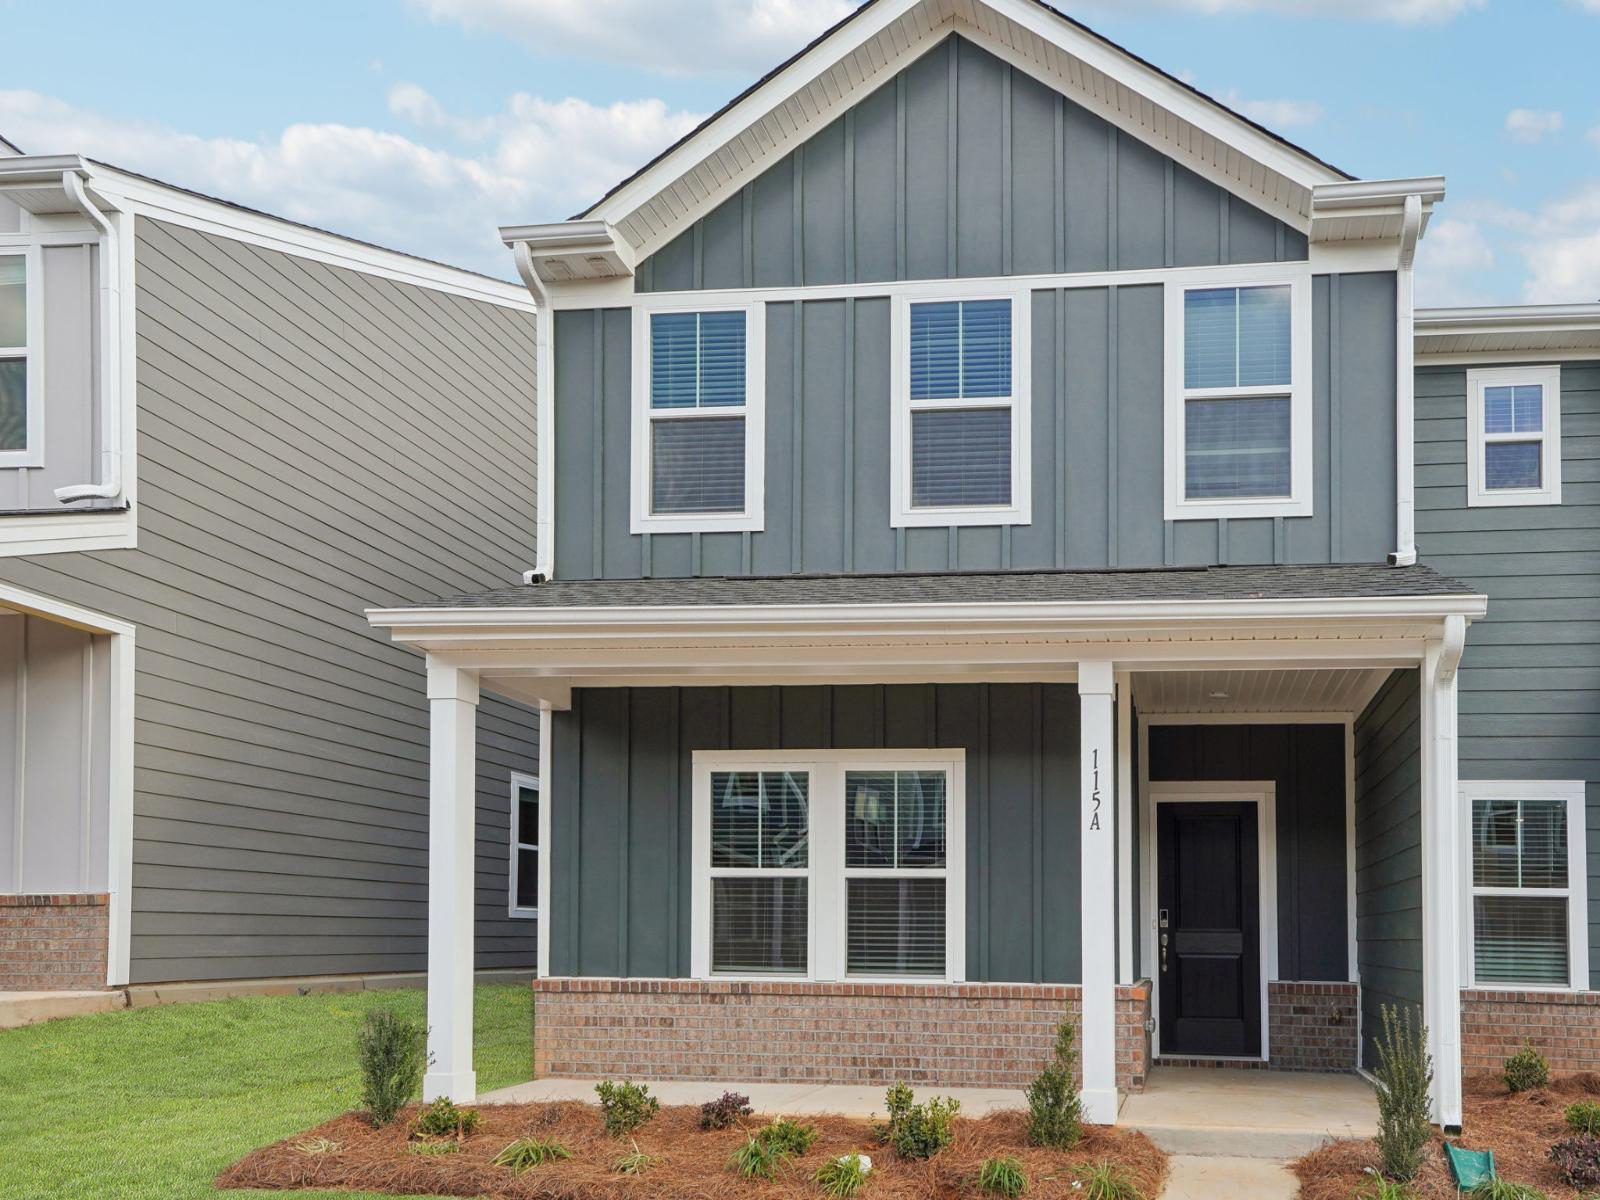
<point x="29" y="1008"/>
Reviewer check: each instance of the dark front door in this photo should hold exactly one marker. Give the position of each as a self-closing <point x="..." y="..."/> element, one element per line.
<point x="1208" y="936"/>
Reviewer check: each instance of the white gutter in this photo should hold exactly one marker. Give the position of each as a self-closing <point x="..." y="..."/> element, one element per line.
<point x="110" y="485"/>
<point x="544" y="377"/>
<point x="1405" y="350"/>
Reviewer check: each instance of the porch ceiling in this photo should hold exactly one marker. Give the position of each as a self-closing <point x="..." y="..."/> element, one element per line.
<point x="1334" y="690"/>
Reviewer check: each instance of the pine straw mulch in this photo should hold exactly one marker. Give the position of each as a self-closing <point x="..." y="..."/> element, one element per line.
<point x="1519" y="1128"/>
<point x="690" y="1162"/>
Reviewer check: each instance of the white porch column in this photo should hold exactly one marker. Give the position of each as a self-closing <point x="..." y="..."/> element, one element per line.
<point x="1097" y="867"/>
<point x="452" y="797"/>
<point x="1441" y="871"/>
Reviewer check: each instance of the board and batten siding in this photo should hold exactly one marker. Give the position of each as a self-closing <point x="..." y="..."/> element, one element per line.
<point x="312" y="441"/>
<point x="622" y="760"/>
<point x="1530" y="676"/>
<point x="1388" y="737"/>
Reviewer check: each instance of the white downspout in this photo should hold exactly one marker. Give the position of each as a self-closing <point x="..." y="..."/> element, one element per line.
<point x="110" y="485"/>
<point x="1405" y="516"/>
<point x="544" y="407"/>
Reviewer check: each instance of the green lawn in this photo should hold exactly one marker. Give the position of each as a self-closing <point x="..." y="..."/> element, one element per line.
<point x="149" y="1104"/>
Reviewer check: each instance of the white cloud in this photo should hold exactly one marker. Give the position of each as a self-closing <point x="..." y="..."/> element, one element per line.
<point x="1562" y="248"/>
<point x="535" y="160"/>
<point x="1395" y="12"/>
<point x="1530" y="125"/>
<point x="1593" y="136"/>
<point x="1275" y="114"/>
<point x="680" y="37"/>
<point x="1450" y="261"/>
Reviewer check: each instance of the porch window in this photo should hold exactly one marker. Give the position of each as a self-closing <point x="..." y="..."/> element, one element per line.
<point x="831" y="868"/>
<point x="1528" y="886"/>
<point x="697" y="446"/>
<point x="1514" y="426"/>
<point x="960" y="432"/>
<point x="14" y="354"/>
<point x="524" y="872"/>
<point x="1239" y="405"/>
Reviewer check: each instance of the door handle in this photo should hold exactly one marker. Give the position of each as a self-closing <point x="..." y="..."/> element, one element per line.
<point x="1163" y="953"/>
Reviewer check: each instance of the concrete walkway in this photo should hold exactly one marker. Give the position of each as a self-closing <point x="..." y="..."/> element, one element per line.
<point x="1195" y="1177"/>
<point x="29" y="1008"/>
<point x="793" y="1099"/>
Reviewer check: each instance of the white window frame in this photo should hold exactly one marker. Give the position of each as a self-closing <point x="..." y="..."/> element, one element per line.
<point x="827" y="932"/>
<point x="1298" y="503"/>
<point x="902" y="514"/>
<point x="1548" y="439"/>
<point x="520" y="783"/>
<point x="1572" y="792"/>
<point x="32" y="455"/>
<point x="753" y="518"/>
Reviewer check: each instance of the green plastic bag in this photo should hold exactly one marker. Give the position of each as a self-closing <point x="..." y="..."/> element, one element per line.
<point x="1470" y="1167"/>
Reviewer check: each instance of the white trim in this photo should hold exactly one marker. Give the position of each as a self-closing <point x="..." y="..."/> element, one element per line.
<point x="1263" y="795"/>
<point x="545" y="757"/>
<point x="1125" y="827"/>
<point x="1571" y="792"/>
<point x="902" y="513"/>
<point x="521" y="782"/>
<point x="826" y="870"/>
<point x="1352" y="943"/>
<point x="1177" y="506"/>
<point x="1548" y="437"/>
<point x="32" y="454"/>
<point x="55" y="533"/>
<point x="1440" y="806"/>
<point x="753" y="518"/>
<point x="1097" y="859"/>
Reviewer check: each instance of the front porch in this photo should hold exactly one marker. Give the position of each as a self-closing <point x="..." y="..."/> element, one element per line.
<point x="1264" y="756"/>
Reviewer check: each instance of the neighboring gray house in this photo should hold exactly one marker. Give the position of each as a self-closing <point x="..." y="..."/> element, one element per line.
<point x="1002" y="557"/>
<point x="221" y="435"/>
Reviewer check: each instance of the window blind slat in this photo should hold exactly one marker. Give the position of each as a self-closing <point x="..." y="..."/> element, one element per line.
<point x="895" y="927"/>
<point x="1237" y="337"/>
<point x="960" y="457"/>
<point x="697" y="465"/>
<point x="1512" y="465"/>
<point x="894" y="819"/>
<point x="760" y="819"/>
<point x="13" y="301"/>
<point x="759" y="926"/>
<point x="1237" y="447"/>
<point x="1520" y="939"/>
<point x="13" y="404"/>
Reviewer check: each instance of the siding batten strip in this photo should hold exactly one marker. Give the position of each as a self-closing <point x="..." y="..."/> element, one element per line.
<point x="1335" y="426"/>
<point x="625" y="833"/>
<point x="1036" y="697"/>
<point x="1113" y="385"/>
<point x="850" y="196"/>
<point x="597" y="488"/>
<point x="1112" y="145"/>
<point x="797" y="487"/>
<point x="900" y="175"/>
<point x="1059" y="515"/>
<point x="674" y="958"/>
<point x="951" y="160"/>
<point x="848" y="524"/>
<point x="1007" y="216"/>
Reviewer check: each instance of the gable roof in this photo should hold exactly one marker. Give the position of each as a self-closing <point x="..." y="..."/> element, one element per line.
<point x="878" y="39"/>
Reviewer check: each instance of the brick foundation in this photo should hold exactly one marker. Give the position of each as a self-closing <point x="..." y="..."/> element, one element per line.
<point x="1563" y="1026"/>
<point x="53" y="943"/>
<point x="1313" y="1026"/>
<point x="949" y="1035"/>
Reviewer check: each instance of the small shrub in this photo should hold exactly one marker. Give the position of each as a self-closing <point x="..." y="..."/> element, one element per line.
<point x="1055" y="1112"/>
<point x="725" y="1111"/>
<point x="636" y="1162"/>
<point x="1526" y="1069"/>
<point x="1379" y="1188"/>
<point x="1002" y="1177"/>
<point x="625" y="1106"/>
<point x="432" y="1149"/>
<point x="845" y="1175"/>
<point x="918" y="1130"/>
<point x="1405" y="1073"/>
<point x="1577" y="1160"/>
<point x="319" y="1145"/>
<point x="1504" y="1189"/>
<point x="1104" y="1181"/>
<point x="443" y="1119"/>
<point x="1583" y="1117"/>
<point x="756" y="1159"/>
<point x="526" y="1153"/>
<point x="789" y="1138"/>
<point x="392" y="1054"/>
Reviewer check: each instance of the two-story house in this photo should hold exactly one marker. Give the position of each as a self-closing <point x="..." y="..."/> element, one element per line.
<point x="982" y="482"/>
<point x="221" y="435"/>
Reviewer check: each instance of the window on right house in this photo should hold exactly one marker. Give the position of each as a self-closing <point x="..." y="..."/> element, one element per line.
<point x="18" y="410"/>
<point x="1238" y="423"/>
<point x="1528" y="919"/>
<point x="1514" y="436"/>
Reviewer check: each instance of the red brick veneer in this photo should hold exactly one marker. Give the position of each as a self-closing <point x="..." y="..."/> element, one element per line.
<point x="951" y="1035"/>
<point x="1563" y="1026"/>
<point x="53" y="943"/>
<point x="1312" y="1026"/>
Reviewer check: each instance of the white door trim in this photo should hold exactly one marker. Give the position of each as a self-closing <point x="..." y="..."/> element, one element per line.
<point x="1264" y="795"/>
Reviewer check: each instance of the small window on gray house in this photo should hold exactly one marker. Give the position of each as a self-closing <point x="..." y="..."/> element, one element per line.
<point x="13" y="352"/>
<point x="895" y="830"/>
<point x="760" y="868"/>
<point x="961" y="404"/>
<point x="524" y="846"/>
<point x="1514" y="436"/>
<point x="1522" y="890"/>
<point x="697" y="413"/>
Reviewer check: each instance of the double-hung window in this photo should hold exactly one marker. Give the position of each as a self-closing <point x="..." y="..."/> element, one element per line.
<point x="837" y="865"/>
<point x="1514" y="436"/>
<point x="1528" y="920"/>
<point x="959" y="442"/>
<point x="21" y="434"/>
<point x="698" y="419"/>
<point x="1238" y="413"/>
<point x="524" y="846"/>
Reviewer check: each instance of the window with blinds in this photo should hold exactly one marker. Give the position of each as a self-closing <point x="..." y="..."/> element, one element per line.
<point x="524" y="846"/>
<point x="1514" y="421"/>
<point x="1523" y="890"/>
<point x="760" y="872"/>
<point x="895" y="827"/>
<point x="13" y="353"/>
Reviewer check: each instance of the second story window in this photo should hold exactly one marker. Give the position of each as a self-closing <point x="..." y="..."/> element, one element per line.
<point x="1238" y="407"/>
<point x="698" y="418"/>
<point x="18" y="405"/>
<point x="1514" y="436"/>
<point x="960" y="437"/>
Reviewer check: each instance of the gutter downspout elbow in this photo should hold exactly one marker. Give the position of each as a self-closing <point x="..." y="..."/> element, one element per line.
<point x="1405" y="468"/>
<point x="110" y="485"/>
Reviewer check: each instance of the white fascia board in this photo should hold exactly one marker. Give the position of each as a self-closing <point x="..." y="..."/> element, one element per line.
<point x="57" y="533"/>
<point x="1363" y="194"/>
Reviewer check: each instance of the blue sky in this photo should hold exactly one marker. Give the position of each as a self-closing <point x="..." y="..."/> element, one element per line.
<point x="424" y="123"/>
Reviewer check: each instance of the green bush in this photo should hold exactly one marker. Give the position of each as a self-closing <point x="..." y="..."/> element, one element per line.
<point x="845" y="1175"/>
<point x="1002" y="1177"/>
<point x="625" y="1106"/>
<point x="1103" y="1181"/>
<point x="789" y="1138"/>
<point x="526" y="1153"/>
<point x="918" y="1130"/>
<point x="443" y="1119"/>
<point x="756" y="1159"/>
<point x="392" y="1053"/>
<point x="1404" y="1074"/>
<point x="1055" y="1112"/>
<point x="1526" y="1069"/>
<point x="1584" y="1117"/>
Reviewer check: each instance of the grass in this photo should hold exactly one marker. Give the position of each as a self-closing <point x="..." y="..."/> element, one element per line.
<point x="153" y="1102"/>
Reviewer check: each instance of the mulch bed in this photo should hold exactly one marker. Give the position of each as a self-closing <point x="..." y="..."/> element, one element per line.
<point x="1520" y="1129"/>
<point x="691" y="1162"/>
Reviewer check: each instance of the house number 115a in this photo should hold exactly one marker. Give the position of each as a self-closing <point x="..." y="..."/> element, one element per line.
<point x="1094" y="789"/>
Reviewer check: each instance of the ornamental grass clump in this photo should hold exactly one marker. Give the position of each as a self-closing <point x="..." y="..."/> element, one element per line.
<point x="443" y="1119"/>
<point x="1404" y="1074"/>
<point x="844" y="1176"/>
<point x="625" y="1106"/>
<point x="756" y="1159"/>
<point x="1105" y="1181"/>
<point x="524" y="1154"/>
<point x="1526" y="1069"/>
<point x="918" y="1130"/>
<point x="1055" y="1112"/>
<point x="725" y="1111"/>
<point x="1379" y="1188"/>
<point x="636" y="1162"/>
<point x="1002" y="1177"/>
<point x="1504" y="1189"/>
<point x="392" y="1054"/>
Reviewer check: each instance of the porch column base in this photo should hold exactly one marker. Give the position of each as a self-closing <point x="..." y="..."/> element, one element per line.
<point x="459" y="1086"/>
